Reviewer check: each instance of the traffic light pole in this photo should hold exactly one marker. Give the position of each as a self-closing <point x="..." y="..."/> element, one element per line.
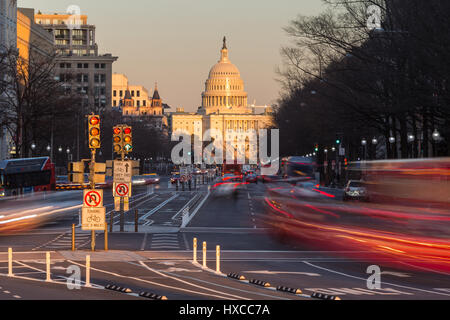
<point x="92" y="183"/>
<point x="122" y="205"/>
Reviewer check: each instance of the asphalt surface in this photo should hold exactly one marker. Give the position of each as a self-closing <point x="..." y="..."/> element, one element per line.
<point x="158" y="258"/>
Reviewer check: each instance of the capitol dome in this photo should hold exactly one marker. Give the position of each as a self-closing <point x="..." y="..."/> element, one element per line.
<point x="224" y="88"/>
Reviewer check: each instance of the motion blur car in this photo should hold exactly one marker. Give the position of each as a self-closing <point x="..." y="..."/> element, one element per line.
<point x="356" y="190"/>
<point x="175" y="177"/>
<point x="251" y="178"/>
<point x="229" y="185"/>
<point x="139" y="180"/>
<point x="152" y="178"/>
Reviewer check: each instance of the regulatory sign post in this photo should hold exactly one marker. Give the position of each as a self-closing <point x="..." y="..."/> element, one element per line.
<point x="93" y="218"/>
<point x="92" y="198"/>
<point x="123" y="171"/>
<point x="122" y="190"/>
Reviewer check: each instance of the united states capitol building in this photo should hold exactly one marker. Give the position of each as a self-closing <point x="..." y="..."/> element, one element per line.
<point x="224" y="105"/>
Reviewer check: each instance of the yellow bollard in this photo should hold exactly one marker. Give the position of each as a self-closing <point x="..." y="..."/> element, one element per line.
<point x="88" y="271"/>
<point x="47" y="259"/>
<point x="73" y="237"/>
<point x="204" y="254"/>
<point x="218" y="259"/>
<point x="106" y="236"/>
<point x="10" y="273"/>
<point x="195" y="250"/>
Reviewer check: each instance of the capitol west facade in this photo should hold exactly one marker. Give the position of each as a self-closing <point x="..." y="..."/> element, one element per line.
<point x="224" y="107"/>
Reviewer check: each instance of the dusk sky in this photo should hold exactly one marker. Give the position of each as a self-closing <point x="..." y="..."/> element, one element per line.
<point x="176" y="42"/>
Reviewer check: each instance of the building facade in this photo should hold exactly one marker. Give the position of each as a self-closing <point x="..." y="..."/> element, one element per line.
<point x="134" y="101"/>
<point x="32" y="39"/>
<point x="224" y="107"/>
<point x="79" y="64"/>
<point x="8" y="39"/>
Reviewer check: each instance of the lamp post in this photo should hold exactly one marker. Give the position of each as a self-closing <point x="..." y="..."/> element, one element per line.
<point x="33" y="147"/>
<point x="436" y="138"/>
<point x="411" y="140"/>
<point x="392" y="141"/>
<point x="374" y="144"/>
<point x="364" y="144"/>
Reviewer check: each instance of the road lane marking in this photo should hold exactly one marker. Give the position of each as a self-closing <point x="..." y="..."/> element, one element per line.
<point x="150" y="282"/>
<point x="365" y="280"/>
<point x="283" y="272"/>
<point x="154" y="210"/>
<point x="189" y="283"/>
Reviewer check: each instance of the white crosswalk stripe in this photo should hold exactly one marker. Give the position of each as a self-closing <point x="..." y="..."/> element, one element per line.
<point x="64" y="241"/>
<point x="165" y="241"/>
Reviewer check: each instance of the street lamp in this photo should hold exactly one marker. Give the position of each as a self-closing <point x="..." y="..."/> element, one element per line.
<point x="392" y="140"/>
<point x="364" y="142"/>
<point x="411" y="138"/>
<point x="33" y="146"/>
<point x="374" y="141"/>
<point x="49" y="148"/>
<point x="60" y="149"/>
<point x="68" y="151"/>
<point x="436" y="135"/>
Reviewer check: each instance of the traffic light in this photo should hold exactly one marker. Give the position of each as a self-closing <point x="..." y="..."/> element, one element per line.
<point x="117" y="139"/>
<point x="94" y="131"/>
<point x="127" y="139"/>
<point x="338" y="141"/>
<point x="346" y="162"/>
<point x="316" y="148"/>
<point x="76" y="172"/>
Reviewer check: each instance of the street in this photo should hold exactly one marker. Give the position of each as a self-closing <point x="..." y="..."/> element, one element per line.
<point x="158" y="258"/>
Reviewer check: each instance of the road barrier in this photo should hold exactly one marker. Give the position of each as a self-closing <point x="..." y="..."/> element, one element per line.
<point x="235" y="276"/>
<point x="204" y="254"/>
<point x="88" y="271"/>
<point x="194" y="249"/>
<point x="289" y="290"/>
<point x="117" y="288"/>
<point x="324" y="296"/>
<point x="218" y="259"/>
<point x="152" y="296"/>
<point x="47" y="262"/>
<point x="260" y="283"/>
<point x="10" y="272"/>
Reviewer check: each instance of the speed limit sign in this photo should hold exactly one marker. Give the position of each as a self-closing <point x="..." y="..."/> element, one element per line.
<point x="122" y="190"/>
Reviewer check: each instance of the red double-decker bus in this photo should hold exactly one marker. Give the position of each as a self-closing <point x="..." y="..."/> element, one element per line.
<point x="23" y="176"/>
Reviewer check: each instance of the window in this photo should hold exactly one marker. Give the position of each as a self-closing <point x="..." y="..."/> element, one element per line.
<point x="138" y="103"/>
<point x="68" y="65"/>
<point x="120" y="93"/>
<point x="114" y="93"/>
<point x="86" y="65"/>
<point x="132" y="93"/>
<point x="97" y="66"/>
<point x="103" y="66"/>
<point x="62" y="65"/>
<point x="138" y="93"/>
<point x="80" y="65"/>
<point x="144" y="103"/>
